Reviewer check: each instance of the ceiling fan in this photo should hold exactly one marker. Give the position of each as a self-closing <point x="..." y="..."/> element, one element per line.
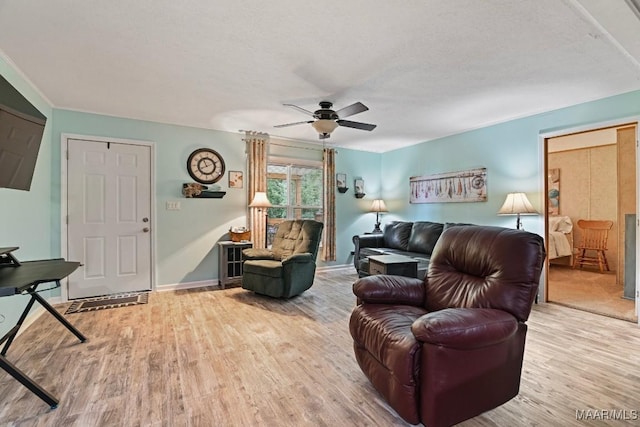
<point x="326" y="119"/>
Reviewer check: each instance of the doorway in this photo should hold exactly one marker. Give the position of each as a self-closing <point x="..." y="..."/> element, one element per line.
<point x="591" y="175"/>
<point x="107" y="201"/>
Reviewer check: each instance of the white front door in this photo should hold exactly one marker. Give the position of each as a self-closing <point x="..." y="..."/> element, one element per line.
<point x="109" y="221"/>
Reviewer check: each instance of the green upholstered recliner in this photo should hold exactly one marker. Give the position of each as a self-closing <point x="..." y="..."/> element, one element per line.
<point x="289" y="267"/>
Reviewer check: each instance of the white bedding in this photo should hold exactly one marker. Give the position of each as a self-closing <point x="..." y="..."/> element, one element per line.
<point x="560" y="245"/>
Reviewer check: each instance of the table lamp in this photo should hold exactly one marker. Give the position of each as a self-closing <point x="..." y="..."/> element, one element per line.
<point x="378" y="206"/>
<point x="517" y="204"/>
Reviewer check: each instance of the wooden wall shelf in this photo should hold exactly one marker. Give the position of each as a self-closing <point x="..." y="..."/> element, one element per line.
<point x="210" y="195"/>
<point x="189" y="190"/>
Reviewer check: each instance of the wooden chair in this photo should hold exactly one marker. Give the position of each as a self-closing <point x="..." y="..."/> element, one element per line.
<point x="595" y="234"/>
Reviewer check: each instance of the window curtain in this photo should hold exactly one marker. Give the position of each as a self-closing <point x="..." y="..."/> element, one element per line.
<point x="329" y="235"/>
<point x="257" y="149"/>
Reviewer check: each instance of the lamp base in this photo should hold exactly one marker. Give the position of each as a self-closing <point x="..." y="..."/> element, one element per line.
<point x="376" y="229"/>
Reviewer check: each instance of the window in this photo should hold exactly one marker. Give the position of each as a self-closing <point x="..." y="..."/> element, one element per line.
<point x="295" y="191"/>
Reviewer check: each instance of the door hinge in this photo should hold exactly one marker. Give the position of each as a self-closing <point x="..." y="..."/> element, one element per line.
<point x="67" y="154"/>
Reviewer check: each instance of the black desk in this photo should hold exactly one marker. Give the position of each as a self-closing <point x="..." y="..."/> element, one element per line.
<point x="24" y="278"/>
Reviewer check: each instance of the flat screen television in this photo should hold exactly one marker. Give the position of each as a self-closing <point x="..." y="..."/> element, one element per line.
<point x="21" y="130"/>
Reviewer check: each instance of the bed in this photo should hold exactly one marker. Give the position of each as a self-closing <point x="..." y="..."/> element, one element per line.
<point x="560" y="237"/>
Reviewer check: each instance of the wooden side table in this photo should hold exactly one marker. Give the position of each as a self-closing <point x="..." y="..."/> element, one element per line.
<point x="230" y="262"/>
<point x="398" y="265"/>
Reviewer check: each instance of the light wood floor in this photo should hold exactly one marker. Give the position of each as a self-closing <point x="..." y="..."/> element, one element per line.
<point x="213" y="357"/>
<point x="591" y="291"/>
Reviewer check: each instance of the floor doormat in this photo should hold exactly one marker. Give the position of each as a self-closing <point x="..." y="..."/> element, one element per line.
<point x="110" y="301"/>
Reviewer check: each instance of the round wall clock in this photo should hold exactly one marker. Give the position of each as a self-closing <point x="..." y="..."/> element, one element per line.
<point x="205" y="166"/>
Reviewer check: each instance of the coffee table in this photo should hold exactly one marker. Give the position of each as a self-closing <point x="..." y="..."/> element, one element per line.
<point x="397" y="265"/>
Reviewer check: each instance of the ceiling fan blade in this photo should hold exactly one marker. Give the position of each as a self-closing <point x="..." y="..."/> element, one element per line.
<point x="299" y="109"/>
<point x="352" y="109"/>
<point x="293" y="124"/>
<point x="356" y="125"/>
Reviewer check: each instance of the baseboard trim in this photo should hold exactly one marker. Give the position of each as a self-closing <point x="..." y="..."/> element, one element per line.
<point x="186" y="285"/>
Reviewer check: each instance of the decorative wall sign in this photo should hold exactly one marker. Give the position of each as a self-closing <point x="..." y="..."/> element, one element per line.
<point x="464" y="186"/>
<point x="554" y="191"/>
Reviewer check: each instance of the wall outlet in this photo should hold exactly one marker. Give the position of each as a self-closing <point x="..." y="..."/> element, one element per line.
<point x="173" y="206"/>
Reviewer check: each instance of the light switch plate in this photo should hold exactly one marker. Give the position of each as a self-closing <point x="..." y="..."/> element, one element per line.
<point x="173" y="206"/>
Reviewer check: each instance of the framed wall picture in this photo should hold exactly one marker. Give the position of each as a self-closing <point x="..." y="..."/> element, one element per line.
<point x="235" y="179"/>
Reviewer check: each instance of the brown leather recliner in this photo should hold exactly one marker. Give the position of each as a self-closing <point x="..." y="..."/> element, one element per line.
<point x="448" y="348"/>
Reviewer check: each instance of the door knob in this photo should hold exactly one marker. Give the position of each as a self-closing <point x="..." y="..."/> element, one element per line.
<point x="145" y="219"/>
<point x="146" y="229"/>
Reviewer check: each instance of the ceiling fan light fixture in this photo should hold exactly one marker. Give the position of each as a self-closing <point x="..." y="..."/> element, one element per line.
<point x="324" y="126"/>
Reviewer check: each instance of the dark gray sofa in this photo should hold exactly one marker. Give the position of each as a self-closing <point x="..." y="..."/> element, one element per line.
<point x="412" y="239"/>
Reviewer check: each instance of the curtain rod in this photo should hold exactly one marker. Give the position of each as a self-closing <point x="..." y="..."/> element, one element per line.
<point x="266" y="135"/>
<point x="297" y="148"/>
<point x="262" y="134"/>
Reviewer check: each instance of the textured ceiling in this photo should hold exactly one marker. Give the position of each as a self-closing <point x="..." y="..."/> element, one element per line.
<point x="425" y="68"/>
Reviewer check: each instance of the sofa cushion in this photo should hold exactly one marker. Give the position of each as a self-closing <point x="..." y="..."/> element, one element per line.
<point x="297" y="236"/>
<point x="413" y="255"/>
<point x="263" y="267"/>
<point x="424" y="235"/>
<point x="367" y="252"/>
<point x="396" y="235"/>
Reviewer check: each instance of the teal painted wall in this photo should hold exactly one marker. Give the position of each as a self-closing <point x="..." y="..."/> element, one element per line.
<point x="510" y="151"/>
<point x="25" y="217"/>
<point x="185" y="239"/>
<point x="352" y="214"/>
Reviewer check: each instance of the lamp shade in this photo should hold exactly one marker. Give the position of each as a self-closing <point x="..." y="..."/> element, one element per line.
<point x="378" y="206"/>
<point x="260" y="200"/>
<point x="517" y="203"/>
<point x="324" y="125"/>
